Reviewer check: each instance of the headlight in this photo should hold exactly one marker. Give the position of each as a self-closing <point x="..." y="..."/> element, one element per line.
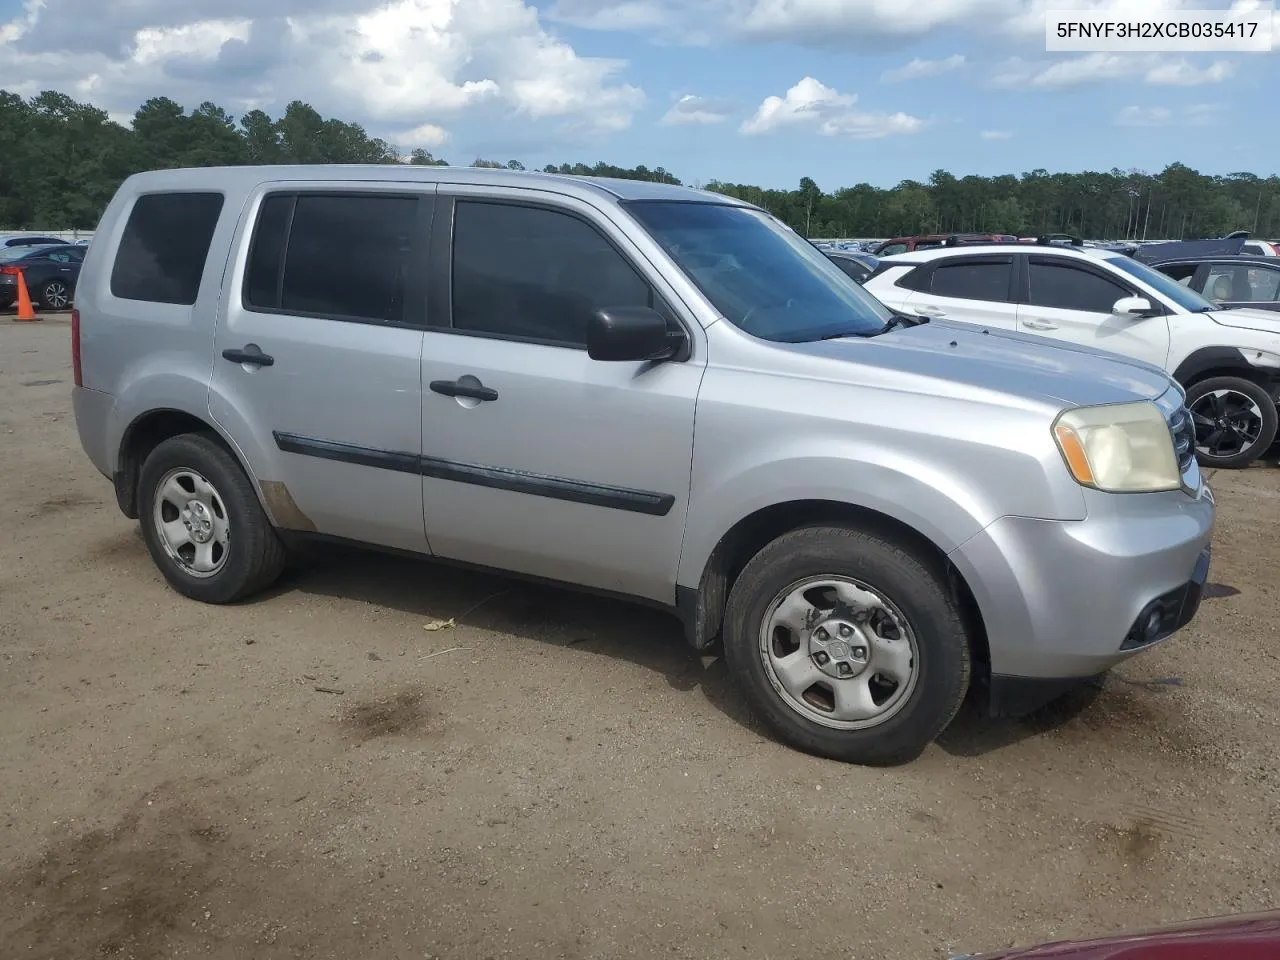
<point x="1119" y="448"/>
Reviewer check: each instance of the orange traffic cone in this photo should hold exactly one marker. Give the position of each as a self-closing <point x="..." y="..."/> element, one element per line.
<point x="25" y="312"/>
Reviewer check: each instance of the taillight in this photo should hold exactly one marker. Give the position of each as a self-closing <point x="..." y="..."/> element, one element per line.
<point x="11" y="271"/>
<point x="75" y="347"/>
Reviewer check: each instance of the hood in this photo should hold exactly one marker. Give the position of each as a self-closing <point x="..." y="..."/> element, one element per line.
<point x="949" y="352"/>
<point x="1248" y="318"/>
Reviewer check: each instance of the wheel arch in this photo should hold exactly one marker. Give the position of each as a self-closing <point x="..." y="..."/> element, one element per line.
<point x="702" y="608"/>
<point x="146" y="432"/>
<point x="1209" y="362"/>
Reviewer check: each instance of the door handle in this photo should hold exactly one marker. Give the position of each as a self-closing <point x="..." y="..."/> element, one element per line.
<point x="452" y="388"/>
<point x="249" y="353"/>
<point x="1039" y="325"/>
<point x="931" y="312"/>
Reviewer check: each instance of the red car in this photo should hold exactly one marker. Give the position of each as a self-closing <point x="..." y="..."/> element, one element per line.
<point x="1242" y="937"/>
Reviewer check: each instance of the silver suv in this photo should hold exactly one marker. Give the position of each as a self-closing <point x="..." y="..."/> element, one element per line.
<point x="645" y="390"/>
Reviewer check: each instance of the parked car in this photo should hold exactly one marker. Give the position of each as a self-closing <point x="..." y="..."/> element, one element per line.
<point x="930" y="240"/>
<point x="29" y="240"/>
<point x="1253" y="936"/>
<point x="50" y="274"/>
<point x="874" y="512"/>
<point x="1230" y="281"/>
<point x="1227" y="360"/>
<point x="857" y="266"/>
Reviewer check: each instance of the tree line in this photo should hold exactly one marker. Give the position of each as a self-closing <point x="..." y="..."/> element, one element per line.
<point x="61" y="161"/>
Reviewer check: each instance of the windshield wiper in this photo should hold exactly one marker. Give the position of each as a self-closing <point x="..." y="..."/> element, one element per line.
<point x="903" y="320"/>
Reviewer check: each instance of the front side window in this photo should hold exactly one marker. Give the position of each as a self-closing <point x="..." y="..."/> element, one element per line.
<point x="1242" y="284"/>
<point x="343" y="257"/>
<point x="535" y="274"/>
<point x="1065" y="287"/>
<point x="164" y="246"/>
<point x="759" y="274"/>
<point x="974" y="280"/>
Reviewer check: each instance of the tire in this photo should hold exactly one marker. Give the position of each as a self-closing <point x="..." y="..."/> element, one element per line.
<point x="55" y="295"/>
<point x="940" y="663"/>
<point x="251" y="555"/>
<point x="1235" y="402"/>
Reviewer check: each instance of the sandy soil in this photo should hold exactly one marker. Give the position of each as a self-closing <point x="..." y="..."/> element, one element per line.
<point x="558" y="776"/>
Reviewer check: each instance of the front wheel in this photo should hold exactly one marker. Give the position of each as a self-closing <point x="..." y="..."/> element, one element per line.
<point x="847" y="645"/>
<point x="1235" y="421"/>
<point x="203" y="524"/>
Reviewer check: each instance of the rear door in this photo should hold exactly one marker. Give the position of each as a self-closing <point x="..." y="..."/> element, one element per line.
<point x="318" y="352"/>
<point x="975" y="289"/>
<point x="1072" y="300"/>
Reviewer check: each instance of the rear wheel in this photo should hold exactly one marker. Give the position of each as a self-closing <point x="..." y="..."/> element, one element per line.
<point x="203" y="524"/>
<point x="847" y="645"/>
<point x="1235" y="421"/>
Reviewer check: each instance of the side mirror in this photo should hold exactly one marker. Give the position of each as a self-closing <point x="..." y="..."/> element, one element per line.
<point x="631" y="333"/>
<point x="1134" y="307"/>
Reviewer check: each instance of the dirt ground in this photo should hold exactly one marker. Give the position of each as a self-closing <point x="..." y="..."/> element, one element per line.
<point x="317" y="775"/>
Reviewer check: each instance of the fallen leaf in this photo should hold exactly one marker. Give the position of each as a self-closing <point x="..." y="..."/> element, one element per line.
<point x="434" y="625"/>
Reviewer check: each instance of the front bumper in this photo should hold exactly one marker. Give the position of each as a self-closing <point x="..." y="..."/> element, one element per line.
<point x="1068" y="600"/>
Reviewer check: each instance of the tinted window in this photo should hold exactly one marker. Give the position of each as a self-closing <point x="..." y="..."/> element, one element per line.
<point x="349" y="256"/>
<point x="1182" y="272"/>
<point x="164" y="245"/>
<point x="266" y="255"/>
<point x="1184" y="297"/>
<point x="973" y="280"/>
<point x="1069" y="288"/>
<point x="891" y="249"/>
<point x="915" y="279"/>
<point x="539" y="274"/>
<point x="852" y="268"/>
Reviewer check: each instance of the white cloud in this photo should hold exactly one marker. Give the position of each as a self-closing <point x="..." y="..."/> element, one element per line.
<point x="1093" y="68"/>
<point x="1193" y="115"/>
<point x="697" y="111"/>
<point x="398" y="66"/>
<point x="814" y="105"/>
<point x="918" y="69"/>
<point x="996" y="135"/>
<point x="625" y="15"/>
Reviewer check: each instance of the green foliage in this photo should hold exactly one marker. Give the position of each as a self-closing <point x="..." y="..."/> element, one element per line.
<point x="60" y="162"/>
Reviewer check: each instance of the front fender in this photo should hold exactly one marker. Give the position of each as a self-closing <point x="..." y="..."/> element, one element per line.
<point x="946" y="489"/>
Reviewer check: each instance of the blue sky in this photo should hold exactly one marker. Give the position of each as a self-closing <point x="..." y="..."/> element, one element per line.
<point x="755" y="91"/>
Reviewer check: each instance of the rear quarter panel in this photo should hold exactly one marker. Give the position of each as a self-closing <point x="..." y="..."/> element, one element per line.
<point x="149" y="356"/>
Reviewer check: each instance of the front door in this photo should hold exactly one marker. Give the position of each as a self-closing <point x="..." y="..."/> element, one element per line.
<point x="318" y="355"/>
<point x="536" y="458"/>
<point x="1070" y="300"/>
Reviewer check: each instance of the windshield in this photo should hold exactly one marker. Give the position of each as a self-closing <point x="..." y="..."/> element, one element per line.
<point x="762" y="277"/>
<point x="1166" y="286"/>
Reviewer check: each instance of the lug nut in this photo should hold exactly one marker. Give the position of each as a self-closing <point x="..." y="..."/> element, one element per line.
<point x="846" y="630"/>
<point x="822" y="633"/>
<point x="822" y="659"/>
<point x="845" y="669"/>
<point x="859" y="653"/>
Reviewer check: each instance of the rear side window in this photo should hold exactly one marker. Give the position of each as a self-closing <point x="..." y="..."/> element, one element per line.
<point x="973" y="280"/>
<point x="336" y="256"/>
<point x="1064" y="287"/>
<point x="164" y="246"/>
<point x="916" y="279"/>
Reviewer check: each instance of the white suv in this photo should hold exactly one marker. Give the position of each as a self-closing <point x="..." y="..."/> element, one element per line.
<point x="1227" y="359"/>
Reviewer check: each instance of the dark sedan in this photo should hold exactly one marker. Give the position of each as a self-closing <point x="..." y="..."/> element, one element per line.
<point x="1241" y="281"/>
<point x="50" y="274"/>
<point x="857" y="265"/>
